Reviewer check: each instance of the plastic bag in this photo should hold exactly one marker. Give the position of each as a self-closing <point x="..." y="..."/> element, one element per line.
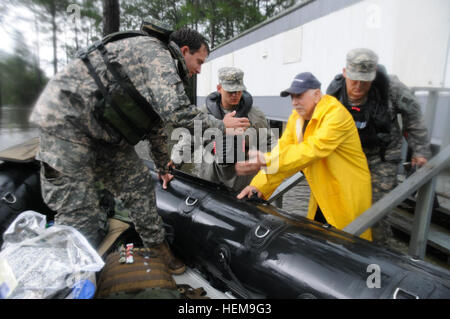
<point x="46" y="262"/>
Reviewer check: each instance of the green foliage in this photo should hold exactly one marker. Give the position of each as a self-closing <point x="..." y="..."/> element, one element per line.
<point x="221" y="20"/>
<point x="85" y="30"/>
<point x="218" y="20"/>
<point x="134" y="11"/>
<point x="21" y="78"/>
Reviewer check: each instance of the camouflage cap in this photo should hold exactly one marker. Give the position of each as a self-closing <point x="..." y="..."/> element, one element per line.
<point x="231" y="79"/>
<point x="361" y="65"/>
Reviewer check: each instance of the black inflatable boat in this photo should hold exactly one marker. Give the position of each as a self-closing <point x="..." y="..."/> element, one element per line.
<point x="258" y="251"/>
<point x="252" y="248"/>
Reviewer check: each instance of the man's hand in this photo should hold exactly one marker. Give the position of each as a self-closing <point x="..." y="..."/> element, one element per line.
<point x="232" y="122"/>
<point x="419" y="161"/>
<point x="166" y="178"/>
<point x="252" y="166"/>
<point x="249" y="191"/>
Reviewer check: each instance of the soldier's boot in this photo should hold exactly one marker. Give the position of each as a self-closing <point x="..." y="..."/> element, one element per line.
<point x="176" y="267"/>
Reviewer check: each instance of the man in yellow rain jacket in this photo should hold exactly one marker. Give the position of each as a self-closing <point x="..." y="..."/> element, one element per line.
<point x="320" y="139"/>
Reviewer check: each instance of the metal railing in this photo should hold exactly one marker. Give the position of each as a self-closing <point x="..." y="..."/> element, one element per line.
<point x="423" y="180"/>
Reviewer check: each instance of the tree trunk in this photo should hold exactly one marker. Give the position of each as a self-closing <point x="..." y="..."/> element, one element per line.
<point x="213" y="34"/>
<point x="77" y="46"/>
<point x="1" y="90"/>
<point x="212" y="21"/>
<point x="111" y="16"/>
<point x="54" y="36"/>
<point x="37" y="63"/>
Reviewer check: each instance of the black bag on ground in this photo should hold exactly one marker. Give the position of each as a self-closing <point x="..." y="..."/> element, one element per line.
<point x="20" y="191"/>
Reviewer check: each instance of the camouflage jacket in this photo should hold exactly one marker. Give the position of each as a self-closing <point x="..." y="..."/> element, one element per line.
<point x="401" y="100"/>
<point x="208" y="168"/>
<point x="65" y="108"/>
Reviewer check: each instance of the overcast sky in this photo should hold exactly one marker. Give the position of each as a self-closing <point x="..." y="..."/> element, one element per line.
<point x="13" y="20"/>
<point x="22" y="19"/>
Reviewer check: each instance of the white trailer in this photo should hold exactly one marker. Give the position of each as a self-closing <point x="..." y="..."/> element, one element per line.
<point x="411" y="37"/>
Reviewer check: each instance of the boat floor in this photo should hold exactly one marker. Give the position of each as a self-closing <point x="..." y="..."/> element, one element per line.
<point x="193" y="278"/>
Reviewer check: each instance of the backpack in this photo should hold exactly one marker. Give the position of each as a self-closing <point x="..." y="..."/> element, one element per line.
<point x="147" y="277"/>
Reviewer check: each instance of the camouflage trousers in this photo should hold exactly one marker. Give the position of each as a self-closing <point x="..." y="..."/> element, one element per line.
<point x="384" y="179"/>
<point x="70" y="178"/>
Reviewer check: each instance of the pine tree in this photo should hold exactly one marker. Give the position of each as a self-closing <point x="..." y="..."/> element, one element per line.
<point x="111" y="16"/>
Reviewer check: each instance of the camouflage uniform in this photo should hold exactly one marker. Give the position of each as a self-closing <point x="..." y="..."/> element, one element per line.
<point x="76" y="150"/>
<point x="362" y="66"/>
<point x="231" y="79"/>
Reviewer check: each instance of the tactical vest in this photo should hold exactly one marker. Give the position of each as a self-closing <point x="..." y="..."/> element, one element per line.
<point x="372" y="119"/>
<point x="123" y="108"/>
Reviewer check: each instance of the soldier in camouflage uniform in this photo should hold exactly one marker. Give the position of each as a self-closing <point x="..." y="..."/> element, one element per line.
<point x="78" y="152"/>
<point x="230" y="97"/>
<point x="374" y="99"/>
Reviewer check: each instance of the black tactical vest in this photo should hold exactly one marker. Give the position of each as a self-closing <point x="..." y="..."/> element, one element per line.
<point x="373" y="119"/>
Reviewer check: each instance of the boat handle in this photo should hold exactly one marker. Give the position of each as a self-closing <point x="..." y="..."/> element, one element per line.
<point x="9" y="198"/>
<point x="189" y="203"/>
<point x="404" y="291"/>
<point x="263" y="235"/>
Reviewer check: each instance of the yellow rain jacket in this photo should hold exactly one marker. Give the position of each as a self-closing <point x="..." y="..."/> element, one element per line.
<point x="332" y="160"/>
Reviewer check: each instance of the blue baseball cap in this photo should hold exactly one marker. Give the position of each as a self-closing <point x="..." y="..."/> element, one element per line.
<point x="301" y="83"/>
